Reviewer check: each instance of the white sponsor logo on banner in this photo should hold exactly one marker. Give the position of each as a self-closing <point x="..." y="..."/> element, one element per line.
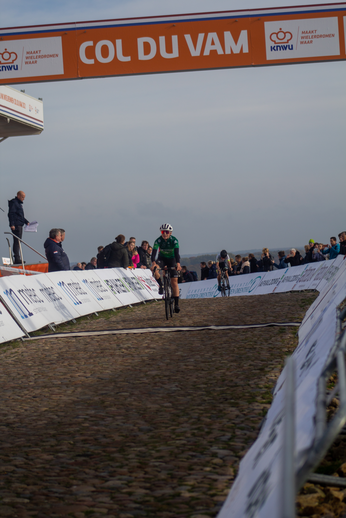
<point x="31" y="57"/>
<point x="287" y="39"/>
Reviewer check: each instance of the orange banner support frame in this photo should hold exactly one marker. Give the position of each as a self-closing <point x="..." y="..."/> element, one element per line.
<point x="205" y="41"/>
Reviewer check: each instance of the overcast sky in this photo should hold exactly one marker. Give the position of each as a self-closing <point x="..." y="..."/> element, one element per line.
<point x="236" y="159"/>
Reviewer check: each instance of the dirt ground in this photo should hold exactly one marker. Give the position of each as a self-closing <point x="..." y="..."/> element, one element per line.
<point x="150" y="425"/>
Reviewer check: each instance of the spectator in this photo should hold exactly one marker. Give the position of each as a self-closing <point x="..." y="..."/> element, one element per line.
<point x="212" y="270"/>
<point x="144" y="256"/>
<point x="333" y="250"/>
<point x="294" y="258"/>
<point x="204" y="271"/>
<point x="83" y="265"/>
<point x="118" y="257"/>
<point x="150" y="251"/>
<point x="92" y="265"/>
<point x="100" y="257"/>
<point x="308" y="253"/>
<point x="316" y="254"/>
<point x="306" y="256"/>
<point x="266" y="262"/>
<point x="78" y="267"/>
<point x="132" y="240"/>
<point x="342" y="239"/>
<point x="237" y="265"/>
<point x="245" y="265"/>
<point x="231" y="270"/>
<point x="253" y="263"/>
<point x="56" y="257"/>
<point x="187" y="276"/>
<point x="281" y="264"/>
<point x="133" y="254"/>
<point x="17" y="221"/>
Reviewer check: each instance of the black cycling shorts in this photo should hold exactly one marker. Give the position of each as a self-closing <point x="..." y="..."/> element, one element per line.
<point x="170" y="262"/>
<point x="222" y="265"/>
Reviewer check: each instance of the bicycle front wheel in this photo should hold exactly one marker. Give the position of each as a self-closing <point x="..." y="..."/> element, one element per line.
<point x="167" y="296"/>
<point x="223" y="288"/>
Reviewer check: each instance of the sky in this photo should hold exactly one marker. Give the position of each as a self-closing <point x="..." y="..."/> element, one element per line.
<point x="236" y="159"/>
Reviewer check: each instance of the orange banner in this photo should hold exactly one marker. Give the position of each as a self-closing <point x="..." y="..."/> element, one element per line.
<point x="173" y="43"/>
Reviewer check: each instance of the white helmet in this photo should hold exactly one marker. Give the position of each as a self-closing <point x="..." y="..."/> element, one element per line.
<point x="166" y="226"/>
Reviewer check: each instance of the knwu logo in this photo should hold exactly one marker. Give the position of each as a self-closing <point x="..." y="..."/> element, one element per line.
<point x="281" y="40"/>
<point x="7" y="59"/>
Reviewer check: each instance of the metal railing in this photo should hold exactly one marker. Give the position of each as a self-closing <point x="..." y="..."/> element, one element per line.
<point x="21" y="251"/>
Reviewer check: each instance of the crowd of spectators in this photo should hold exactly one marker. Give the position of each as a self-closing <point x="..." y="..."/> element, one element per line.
<point x="313" y="252"/>
<point x="124" y="254"/>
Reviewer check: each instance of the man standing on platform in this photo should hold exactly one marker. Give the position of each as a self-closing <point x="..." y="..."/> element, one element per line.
<point x="17" y="221"/>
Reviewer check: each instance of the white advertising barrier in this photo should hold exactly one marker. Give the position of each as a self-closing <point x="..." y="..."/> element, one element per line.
<point x="114" y="280"/>
<point x="72" y="289"/>
<point x="239" y="285"/>
<point x="307" y="276"/>
<point x="34" y="301"/>
<point x="135" y="285"/>
<point x="97" y="287"/>
<point x="289" y="280"/>
<point x="329" y="281"/>
<point x="148" y="281"/>
<point x="310" y="356"/>
<point x="9" y="330"/>
<point x="332" y="273"/>
<point x="269" y="282"/>
<point x="332" y="298"/>
<point x="255" y="490"/>
<point x="320" y="274"/>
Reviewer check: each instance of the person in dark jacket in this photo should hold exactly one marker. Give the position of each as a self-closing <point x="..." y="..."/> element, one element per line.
<point x="100" y="257"/>
<point x="92" y="265"/>
<point x="237" y="264"/>
<point x="204" y="271"/>
<point x="56" y="257"/>
<point x="212" y="270"/>
<point x="144" y="256"/>
<point x="118" y="257"/>
<point x="187" y="276"/>
<point x="253" y="263"/>
<point x="342" y="239"/>
<point x="17" y="221"/>
<point x="294" y="258"/>
<point x="265" y="264"/>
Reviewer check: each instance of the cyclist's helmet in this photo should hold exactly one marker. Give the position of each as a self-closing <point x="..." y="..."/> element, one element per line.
<point x="223" y="254"/>
<point x="166" y="226"/>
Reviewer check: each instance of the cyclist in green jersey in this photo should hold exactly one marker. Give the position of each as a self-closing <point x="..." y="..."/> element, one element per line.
<point x="167" y="247"/>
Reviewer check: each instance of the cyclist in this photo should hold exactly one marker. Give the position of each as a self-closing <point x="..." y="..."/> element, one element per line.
<point x="223" y="262"/>
<point x="167" y="247"/>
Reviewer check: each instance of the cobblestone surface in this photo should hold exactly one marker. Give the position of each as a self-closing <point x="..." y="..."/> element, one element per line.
<point x="140" y="425"/>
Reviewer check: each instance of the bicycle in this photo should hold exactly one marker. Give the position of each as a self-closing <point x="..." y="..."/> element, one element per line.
<point x="224" y="284"/>
<point x="167" y="291"/>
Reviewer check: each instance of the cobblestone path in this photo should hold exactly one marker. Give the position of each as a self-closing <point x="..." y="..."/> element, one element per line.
<point x="139" y="425"/>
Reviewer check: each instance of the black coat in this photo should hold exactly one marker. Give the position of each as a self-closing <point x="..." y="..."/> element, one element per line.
<point x="296" y="260"/>
<point x="144" y="257"/>
<point x="16" y="213"/>
<point x="119" y="257"/>
<point x="253" y="265"/>
<point x="56" y="257"/>
<point x="204" y="273"/>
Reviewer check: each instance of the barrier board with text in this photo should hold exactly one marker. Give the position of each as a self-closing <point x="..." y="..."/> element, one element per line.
<point x="35" y="301"/>
<point x="9" y="330"/>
